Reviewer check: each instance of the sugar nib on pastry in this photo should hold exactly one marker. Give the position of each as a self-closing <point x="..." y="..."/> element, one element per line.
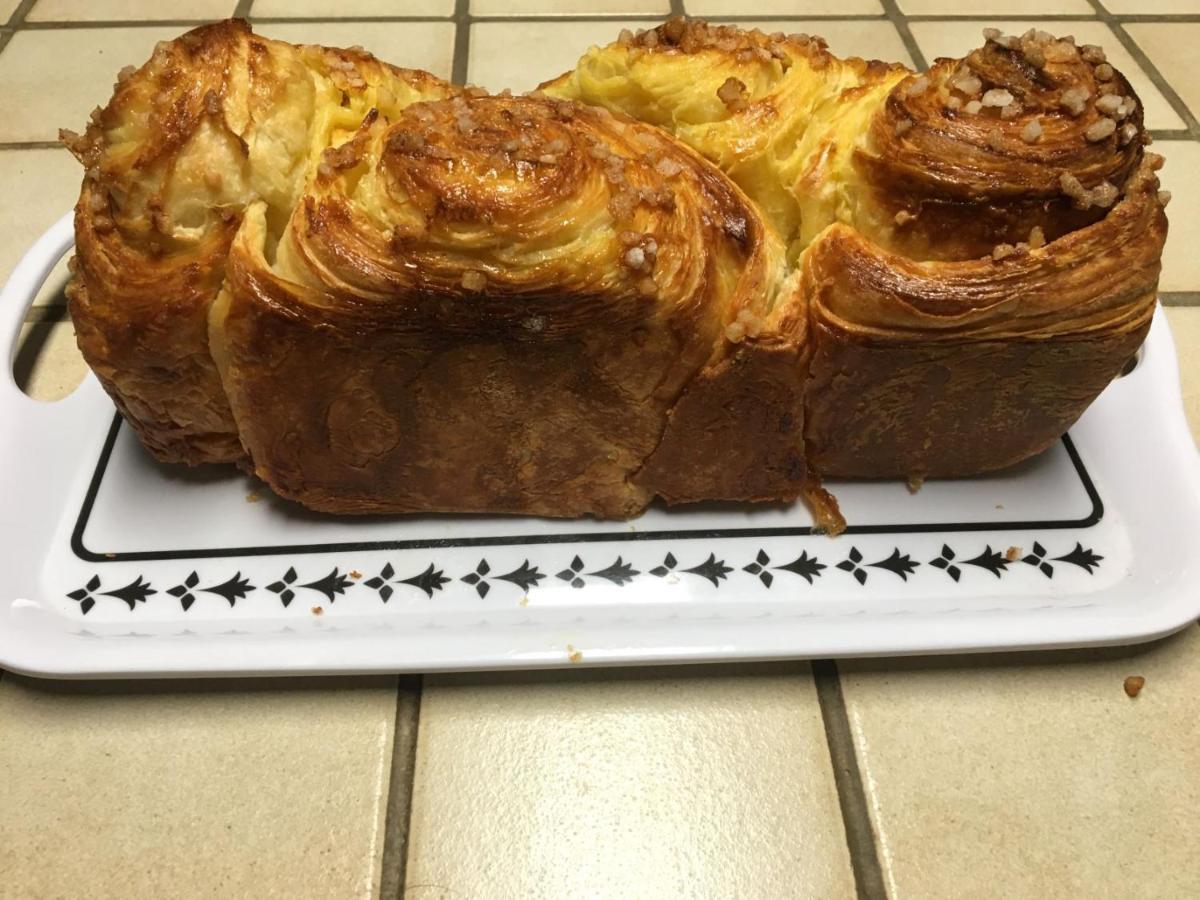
<point x="979" y="245"/>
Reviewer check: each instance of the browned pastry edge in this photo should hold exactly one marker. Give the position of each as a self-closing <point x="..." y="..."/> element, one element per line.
<point x="949" y="369"/>
<point x="401" y="368"/>
<point x="139" y="297"/>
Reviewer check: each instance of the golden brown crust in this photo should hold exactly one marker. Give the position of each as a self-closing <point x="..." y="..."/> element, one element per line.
<point x="940" y="369"/>
<point x="489" y="305"/>
<point x="949" y="181"/>
<point x="747" y="263"/>
<point x="215" y="120"/>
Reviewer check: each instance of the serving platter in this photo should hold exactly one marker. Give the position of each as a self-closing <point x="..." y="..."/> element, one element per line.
<point x="113" y="565"/>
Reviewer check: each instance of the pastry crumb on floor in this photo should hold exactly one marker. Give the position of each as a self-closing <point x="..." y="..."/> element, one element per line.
<point x="354" y="573"/>
<point x="915" y="482"/>
<point x="1012" y="554"/>
<point x="253" y="497"/>
<point x="318" y="610"/>
<point x="1133" y="685"/>
<point x="574" y="655"/>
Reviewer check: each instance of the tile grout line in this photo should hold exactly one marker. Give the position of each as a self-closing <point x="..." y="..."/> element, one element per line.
<point x="1151" y="70"/>
<point x="401" y="783"/>
<point x="900" y="23"/>
<point x="462" y="41"/>
<point x="856" y="817"/>
<point x="15" y="21"/>
<point x="1179" y="298"/>
<point x="47" y="312"/>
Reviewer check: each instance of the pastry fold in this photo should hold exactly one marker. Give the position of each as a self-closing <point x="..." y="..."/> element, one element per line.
<point x="216" y="120"/>
<point x="979" y="245"/>
<point x="707" y="263"/>
<point x="489" y="304"/>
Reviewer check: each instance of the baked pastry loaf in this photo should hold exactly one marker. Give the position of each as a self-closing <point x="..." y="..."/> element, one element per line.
<point x="216" y="120"/>
<point x="979" y="244"/>
<point x="706" y="264"/>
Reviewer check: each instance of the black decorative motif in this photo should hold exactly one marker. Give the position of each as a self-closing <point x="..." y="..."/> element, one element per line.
<point x="1037" y="559"/>
<point x="527" y="576"/>
<point x="851" y="564"/>
<point x="991" y="560"/>
<point x="524" y="576"/>
<point x="759" y="568"/>
<point x="428" y="581"/>
<point x="184" y="591"/>
<point x="807" y="567"/>
<point x="332" y="585"/>
<point x="478" y="578"/>
<point x="83" y="596"/>
<point x="619" y="573"/>
<point x="898" y="564"/>
<point x="283" y="586"/>
<point x="668" y="566"/>
<point x="712" y="569"/>
<point x="133" y="593"/>
<point x="236" y="588"/>
<point x="1085" y="559"/>
<point x="945" y="561"/>
<point x="571" y="573"/>
<point x="380" y="582"/>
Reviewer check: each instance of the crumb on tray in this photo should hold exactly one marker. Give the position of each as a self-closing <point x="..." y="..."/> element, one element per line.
<point x="253" y="497"/>
<point x="574" y="655"/>
<point x="318" y="610"/>
<point x="354" y="573"/>
<point x="1012" y="554"/>
<point x="1133" y="685"/>
<point x="524" y="601"/>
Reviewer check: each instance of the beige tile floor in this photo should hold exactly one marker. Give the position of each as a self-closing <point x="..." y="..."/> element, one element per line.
<point x="996" y="776"/>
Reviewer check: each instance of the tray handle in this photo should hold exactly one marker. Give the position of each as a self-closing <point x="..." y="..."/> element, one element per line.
<point x="21" y="289"/>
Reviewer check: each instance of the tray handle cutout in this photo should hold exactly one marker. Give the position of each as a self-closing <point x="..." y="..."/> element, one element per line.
<point x="21" y="289"/>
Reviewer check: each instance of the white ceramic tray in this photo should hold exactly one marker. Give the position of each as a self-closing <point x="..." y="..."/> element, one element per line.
<point x="111" y="565"/>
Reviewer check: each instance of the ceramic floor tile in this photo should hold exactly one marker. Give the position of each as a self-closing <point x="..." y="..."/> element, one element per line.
<point x="1181" y="176"/>
<point x="414" y="45"/>
<point x="62" y="74"/>
<point x="521" y="55"/>
<point x="127" y="10"/>
<point x="870" y="40"/>
<point x="734" y="8"/>
<point x="1033" y="775"/>
<point x="323" y="9"/>
<point x="956" y="39"/>
<point x="569" y="7"/>
<point x="696" y="783"/>
<point x="39" y="186"/>
<point x="238" y="789"/>
<point x="1185" y="326"/>
<point x="1172" y="50"/>
<point x="1152" y="7"/>
<point x="995" y="7"/>
<point x="48" y="365"/>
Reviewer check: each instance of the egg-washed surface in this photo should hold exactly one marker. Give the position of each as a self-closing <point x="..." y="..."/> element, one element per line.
<point x="415" y="267"/>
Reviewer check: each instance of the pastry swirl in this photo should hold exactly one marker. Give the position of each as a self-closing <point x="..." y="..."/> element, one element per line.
<point x="216" y="120"/>
<point x="503" y="298"/>
<point x="993" y="218"/>
<point x="706" y="264"/>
